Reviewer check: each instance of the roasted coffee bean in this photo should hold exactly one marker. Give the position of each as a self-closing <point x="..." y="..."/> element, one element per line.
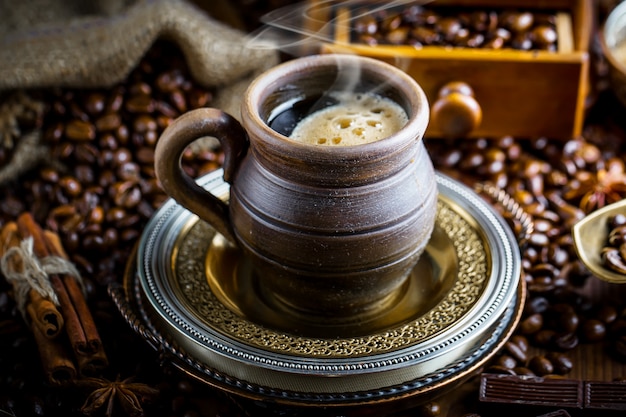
<point x="93" y="242"/>
<point x="144" y="123"/>
<point x="619" y="347"/>
<point x="544" y="36"/>
<point x="539" y="239"/>
<point x="540" y="365"/>
<point x="54" y="133"/>
<point x="541" y="285"/>
<point x="606" y="314"/>
<point x="128" y="171"/>
<point x="556" y="255"/>
<point x="531" y="324"/>
<point x="613" y="260"/>
<point x="543" y="226"/>
<point x="70" y="186"/>
<point x="84" y="174"/>
<point x="129" y="235"/>
<point x="506" y="361"/>
<point x="140" y="88"/>
<point x="475" y="40"/>
<point x="592" y="330"/>
<point x="523" y="371"/>
<point x="544" y="269"/>
<point x="522" y="41"/>
<point x="77" y="111"/>
<point x="86" y="153"/>
<point x="80" y="130"/>
<point x="561" y="363"/>
<point x="108" y="122"/>
<point x="518" y="21"/>
<point x="397" y="36"/>
<point x="122" y="134"/>
<point x="537" y="305"/>
<point x="516" y="351"/>
<point x="179" y="101"/>
<point x="565" y="341"/>
<point x="563" y="318"/>
<point x="617" y="236"/>
<point x="49" y="175"/>
<point x="544" y="337"/>
<point x="521" y="341"/>
<point x="110" y="238"/>
<point x="95" y="103"/>
<point x="199" y="98"/>
<point x="126" y="194"/>
<point x="425" y="36"/>
<point x="130" y="221"/>
<point x="107" y="141"/>
<point x="141" y="103"/>
<point x="366" y="25"/>
<point x="448" y="27"/>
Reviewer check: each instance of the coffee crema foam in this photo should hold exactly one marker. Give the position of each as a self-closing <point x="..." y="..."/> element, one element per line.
<point x="356" y="119"/>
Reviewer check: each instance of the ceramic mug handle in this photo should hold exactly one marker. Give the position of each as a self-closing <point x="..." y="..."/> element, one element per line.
<point x="181" y="187"/>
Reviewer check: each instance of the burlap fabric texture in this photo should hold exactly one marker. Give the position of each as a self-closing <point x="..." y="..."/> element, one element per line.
<point x="75" y="43"/>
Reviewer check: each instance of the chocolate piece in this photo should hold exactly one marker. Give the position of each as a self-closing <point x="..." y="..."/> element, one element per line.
<point x="605" y="395"/>
<point x="552" y="392"/>
<point x="532" y="390"/>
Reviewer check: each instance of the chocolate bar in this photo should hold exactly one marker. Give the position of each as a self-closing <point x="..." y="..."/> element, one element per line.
<point x="552" y="392"/>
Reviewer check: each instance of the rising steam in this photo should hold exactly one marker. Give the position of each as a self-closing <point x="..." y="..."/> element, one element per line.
<point x="302" y="28"/>
<point x="297" y="29"/>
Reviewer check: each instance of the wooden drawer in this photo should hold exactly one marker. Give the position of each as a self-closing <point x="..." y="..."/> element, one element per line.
<point x="525" y="93"/>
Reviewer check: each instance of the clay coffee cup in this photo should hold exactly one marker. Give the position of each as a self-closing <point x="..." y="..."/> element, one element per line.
<point x="333" y="232"/>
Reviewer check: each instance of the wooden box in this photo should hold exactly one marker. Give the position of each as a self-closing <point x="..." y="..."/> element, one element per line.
<point x="524" y="93"/>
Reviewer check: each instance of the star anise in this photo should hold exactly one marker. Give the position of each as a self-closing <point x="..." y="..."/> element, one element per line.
<point x="129" y="395"/>
<point x="592" y="191"/>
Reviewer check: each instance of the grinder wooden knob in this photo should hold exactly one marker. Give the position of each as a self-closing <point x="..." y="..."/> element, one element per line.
<point x="456" y="112"/>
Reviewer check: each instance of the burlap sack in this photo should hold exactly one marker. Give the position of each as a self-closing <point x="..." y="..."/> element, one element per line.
<point x="75" y="43"/>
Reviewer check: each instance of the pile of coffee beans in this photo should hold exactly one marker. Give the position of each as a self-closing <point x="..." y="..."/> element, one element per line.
<point x="425" y="26"/>
<point x="553" y="182"/>
<point x="99" y="187"/>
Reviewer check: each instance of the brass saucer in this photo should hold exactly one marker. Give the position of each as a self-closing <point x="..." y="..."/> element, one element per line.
<point x="191" y="294"/>
<point x="234" y="283"/>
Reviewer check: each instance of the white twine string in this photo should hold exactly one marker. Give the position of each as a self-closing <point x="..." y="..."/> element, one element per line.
<point x="34" y="273"/>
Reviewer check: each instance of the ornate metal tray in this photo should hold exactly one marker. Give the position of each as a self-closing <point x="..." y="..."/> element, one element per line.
<point x="188" y="292"/>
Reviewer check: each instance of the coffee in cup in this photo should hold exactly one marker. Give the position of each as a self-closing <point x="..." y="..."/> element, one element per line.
<point x="349" y="119"/>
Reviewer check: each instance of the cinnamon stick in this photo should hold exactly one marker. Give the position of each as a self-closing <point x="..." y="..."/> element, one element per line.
<point x="44" y="314"/>
<point x="55" y="358"/>
<point x="92" y="357"/>
<point x="9" y="237"/>
<point x="56" y="361"/>
<point x="79" y="324"/>
<point x="41" y="311"/>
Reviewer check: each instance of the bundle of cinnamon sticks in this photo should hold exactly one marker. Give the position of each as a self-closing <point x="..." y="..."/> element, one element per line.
<point x="49" y="293"/>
